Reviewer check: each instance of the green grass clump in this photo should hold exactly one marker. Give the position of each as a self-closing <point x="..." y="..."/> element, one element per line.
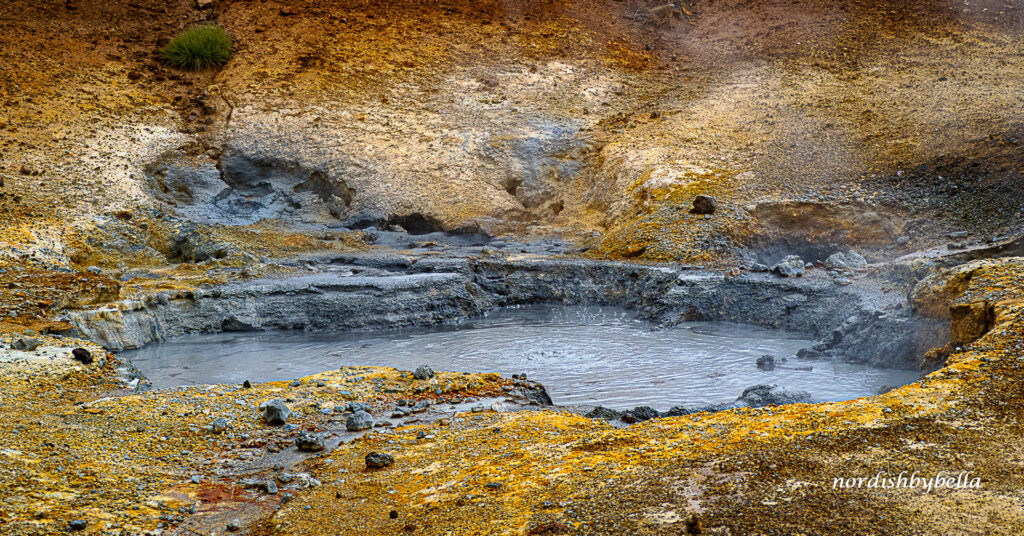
<point x="199" y="48"/>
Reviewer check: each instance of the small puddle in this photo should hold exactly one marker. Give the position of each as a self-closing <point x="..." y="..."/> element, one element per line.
<point x="582" y="355"/>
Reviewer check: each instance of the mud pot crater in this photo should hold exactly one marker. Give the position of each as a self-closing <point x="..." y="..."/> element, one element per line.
<point x="593" y="332"/>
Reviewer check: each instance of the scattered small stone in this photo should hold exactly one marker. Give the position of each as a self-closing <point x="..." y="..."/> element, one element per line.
<point x="958" y="234"/>
<point x="758" y="267"/>
<point x="309" y="442"/>
<point x="196" y="479"/>
<point x="704" y="204"/>
<point x="246" y="384"/>
<point x="271" y="487"/>
<point x="393" y="514"/>
<point x="235" y="525"/>
<point x="295" y="383"/>
<point x="287" y="498"/>
<point x="82" y="355"/>
<point x="77" y="524"/>
<point x="519" y="376"/>
<point x="219" y="425"/>
<point x="275" y="412"/>
<point x="421" y="434"/>
<point x="359" y="420"/>
<point x="766" y="362"/>
<point x="424" y="372"/>
<point x="493" y="485"/>
<point x="378" y="460"/>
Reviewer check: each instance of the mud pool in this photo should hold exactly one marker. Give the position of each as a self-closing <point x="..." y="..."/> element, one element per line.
<point x="582" y="355"/>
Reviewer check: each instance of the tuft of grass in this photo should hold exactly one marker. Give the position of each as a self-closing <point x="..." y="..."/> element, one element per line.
<point x="199" y="48"/>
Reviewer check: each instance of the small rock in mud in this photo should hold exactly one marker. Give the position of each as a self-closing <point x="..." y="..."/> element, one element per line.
<point x="309" y="442"/>
<point x="275" y="412"/>
<point x="235" y="525"/>
<point x="378" y="460"/>
<point x="424" y="372"/>
<point x="601" y="412"/>
<point x="704" y="204"/>
<point x="790" y="266"/>
<point x="219" y="425"/>
<point x="26" y="344"/>
<point x="77" y="524"/>
<point x="766" y="362"/>
<point x="639" y="414"/>
<point x="758" y="267"/>
<point x="359" y="420"/>
<point x="82" y="355"/>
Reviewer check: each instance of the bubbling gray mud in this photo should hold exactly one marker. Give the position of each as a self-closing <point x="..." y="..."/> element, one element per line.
<point x="581" y="354"/>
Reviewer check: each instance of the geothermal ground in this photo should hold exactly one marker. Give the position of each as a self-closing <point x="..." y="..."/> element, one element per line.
<point x="366" y="165"/>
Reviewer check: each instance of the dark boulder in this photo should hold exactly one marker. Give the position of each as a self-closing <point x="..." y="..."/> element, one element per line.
<point x="378" y="460"/>
<point x="82" y="355"/>
<point x="704" y="204"/>
<point x="309" y="442"/>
